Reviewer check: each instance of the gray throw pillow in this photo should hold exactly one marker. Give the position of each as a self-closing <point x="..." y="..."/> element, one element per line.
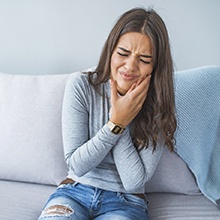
<point x="172" y="175"/>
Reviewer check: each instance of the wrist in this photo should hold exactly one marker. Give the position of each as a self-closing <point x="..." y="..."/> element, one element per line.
<point x="115" y="127"/>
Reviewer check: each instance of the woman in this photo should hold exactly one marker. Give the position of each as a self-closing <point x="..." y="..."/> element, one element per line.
<point x="116" y="121"/>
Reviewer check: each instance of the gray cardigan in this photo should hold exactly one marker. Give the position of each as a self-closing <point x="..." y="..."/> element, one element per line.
<point x="94" y="155"/>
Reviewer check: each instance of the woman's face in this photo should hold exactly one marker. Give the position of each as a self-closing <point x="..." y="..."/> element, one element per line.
<point x="131" y="60"/>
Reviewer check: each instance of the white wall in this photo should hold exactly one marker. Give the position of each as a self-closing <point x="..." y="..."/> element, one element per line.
<point x="62" y="36"/>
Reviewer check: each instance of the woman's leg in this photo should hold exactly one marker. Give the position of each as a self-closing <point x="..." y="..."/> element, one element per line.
<point x="120" y="206"/>
<point x="80" y="202"/>
<point x="61" y="205"/>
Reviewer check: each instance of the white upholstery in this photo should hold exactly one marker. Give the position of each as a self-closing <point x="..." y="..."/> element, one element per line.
<point x="30" y="128"/>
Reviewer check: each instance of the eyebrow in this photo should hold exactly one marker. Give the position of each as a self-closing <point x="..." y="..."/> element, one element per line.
<point x="141" y="55"/>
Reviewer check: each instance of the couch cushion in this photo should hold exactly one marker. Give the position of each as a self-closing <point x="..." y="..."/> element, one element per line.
<point x="30" y="128"/>
<point x="23" y="201"/>
<point x="172" y="175"/>
<point x="171" y="206"/>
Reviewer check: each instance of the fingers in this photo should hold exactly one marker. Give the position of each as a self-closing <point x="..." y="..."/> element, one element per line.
<point x="144" y="82"/>
<point x="125" y="108"/>
<point x="141" y="86"/>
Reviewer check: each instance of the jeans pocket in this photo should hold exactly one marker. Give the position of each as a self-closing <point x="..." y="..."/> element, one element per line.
<point x="134" y="201"/>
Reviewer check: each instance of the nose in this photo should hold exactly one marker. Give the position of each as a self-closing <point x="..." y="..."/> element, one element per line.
<point x="131" y="64"/>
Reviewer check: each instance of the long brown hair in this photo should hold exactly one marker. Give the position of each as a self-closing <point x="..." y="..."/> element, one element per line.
<point x="157" y="118"/>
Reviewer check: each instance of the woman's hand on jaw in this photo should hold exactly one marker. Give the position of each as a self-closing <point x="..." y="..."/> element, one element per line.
<point x="125" y="108"/>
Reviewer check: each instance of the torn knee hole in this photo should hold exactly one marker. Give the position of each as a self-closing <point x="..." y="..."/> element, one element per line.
<point x="58" y="210"/>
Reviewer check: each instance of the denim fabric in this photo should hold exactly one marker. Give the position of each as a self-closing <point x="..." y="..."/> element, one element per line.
<point x="84" y="202"/>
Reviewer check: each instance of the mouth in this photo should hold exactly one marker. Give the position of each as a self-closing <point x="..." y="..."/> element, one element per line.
<point x="127" y="76"/>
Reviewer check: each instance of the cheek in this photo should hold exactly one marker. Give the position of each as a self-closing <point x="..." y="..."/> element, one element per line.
<point x="116" y="62"/>
<point x="147" y="71"/>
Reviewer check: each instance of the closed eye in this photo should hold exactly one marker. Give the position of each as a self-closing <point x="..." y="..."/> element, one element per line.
<point x="144" y="61"/>
<point x="125" y="55"/>
<point x="122" y="54"/>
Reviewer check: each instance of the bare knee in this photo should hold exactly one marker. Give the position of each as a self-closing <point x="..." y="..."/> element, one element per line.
<point x="58" y="210"/>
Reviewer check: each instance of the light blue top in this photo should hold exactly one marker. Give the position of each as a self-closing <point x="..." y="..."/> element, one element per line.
<point x="94" y="155"/>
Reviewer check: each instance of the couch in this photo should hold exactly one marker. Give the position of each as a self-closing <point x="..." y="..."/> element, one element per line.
<point x="32" y="161"/>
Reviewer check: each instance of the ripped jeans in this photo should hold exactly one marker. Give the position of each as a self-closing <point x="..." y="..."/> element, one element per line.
<point x="81" y="202"/>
